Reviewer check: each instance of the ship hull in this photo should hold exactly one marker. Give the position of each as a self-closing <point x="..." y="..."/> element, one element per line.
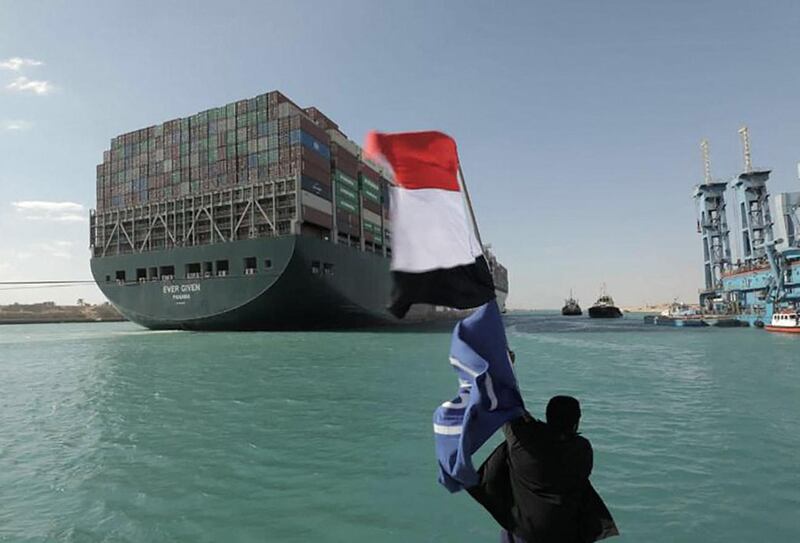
<point x="571" y="311"/>
<point x="310" y="284"/>
<point x="605" y="312"/>
<point x="685" y="322"/>
<point x="782" y="329"/>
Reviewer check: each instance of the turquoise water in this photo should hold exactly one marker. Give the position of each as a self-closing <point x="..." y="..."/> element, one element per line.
<point x="112" y="433"/>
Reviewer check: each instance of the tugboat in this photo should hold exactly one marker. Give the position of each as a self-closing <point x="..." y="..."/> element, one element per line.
<point x="785" y="321"/>
<point x="571" y="307"/>
<point x="604" y="307"/>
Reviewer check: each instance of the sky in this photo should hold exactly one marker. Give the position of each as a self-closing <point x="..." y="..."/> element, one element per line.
<point x="578" y="123"/>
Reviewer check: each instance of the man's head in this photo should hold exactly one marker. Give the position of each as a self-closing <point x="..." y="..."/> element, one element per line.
<point x="563" y="414"/>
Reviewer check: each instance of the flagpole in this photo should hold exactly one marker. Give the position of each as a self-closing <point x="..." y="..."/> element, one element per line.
<point x="469" y="206"/>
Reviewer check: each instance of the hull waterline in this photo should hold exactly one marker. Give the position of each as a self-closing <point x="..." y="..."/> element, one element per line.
<point x="299" y="283"/>
<point x="605" y="313"/>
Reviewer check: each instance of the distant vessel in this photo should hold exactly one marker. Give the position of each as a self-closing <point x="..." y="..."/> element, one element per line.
<point x="678" y="314"/>
<point x="604" y="307"/>
<point x="785" y="322"/>
<point x="571" y="307"/>
<point x="681" y="310"/>
<point x="687" y="322"/>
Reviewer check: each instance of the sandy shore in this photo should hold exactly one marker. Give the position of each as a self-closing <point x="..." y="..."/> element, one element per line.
<point x="49" y="312"/>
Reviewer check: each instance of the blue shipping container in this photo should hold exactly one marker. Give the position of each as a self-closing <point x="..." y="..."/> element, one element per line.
<point x="315" y="187"/>
<point x="312" y="143"/>
<point x="309" y="142"/>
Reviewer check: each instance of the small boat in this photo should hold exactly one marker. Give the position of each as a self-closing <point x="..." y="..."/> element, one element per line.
<point x="604" y="307"/>
<point x="678" y="310"/>
<point x="681" y="315"/>
<point x="571" y="307"/>
<point x="785" y="321"/>
<point x="680" y="322"/>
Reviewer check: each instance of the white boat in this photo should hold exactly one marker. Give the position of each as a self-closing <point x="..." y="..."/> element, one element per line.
<point x="784" y="321"/>
<point x="680" y="310"/>
<point x="681" y="313"/>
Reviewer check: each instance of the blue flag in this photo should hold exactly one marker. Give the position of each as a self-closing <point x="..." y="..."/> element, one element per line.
<point x="488" y="396"/>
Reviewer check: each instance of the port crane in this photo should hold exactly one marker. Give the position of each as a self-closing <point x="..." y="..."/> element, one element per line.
<point x="766" y="274"/>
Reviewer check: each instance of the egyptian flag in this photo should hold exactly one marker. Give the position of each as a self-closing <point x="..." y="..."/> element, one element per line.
<point x="436" y="258"/>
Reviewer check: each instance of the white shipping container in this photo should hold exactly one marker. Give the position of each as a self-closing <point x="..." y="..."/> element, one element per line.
<point x="371" y="217"/>
<point x="315" y="202"/>
<point x="339" y="139"/>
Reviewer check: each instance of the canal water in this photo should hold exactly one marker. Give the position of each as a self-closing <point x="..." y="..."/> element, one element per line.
<point x="109" y="432"/>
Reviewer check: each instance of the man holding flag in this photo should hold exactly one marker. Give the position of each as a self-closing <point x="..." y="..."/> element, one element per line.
<point x="535" y="484"/>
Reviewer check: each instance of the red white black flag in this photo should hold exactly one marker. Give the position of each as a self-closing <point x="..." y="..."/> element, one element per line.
<point x="436" y="258"/>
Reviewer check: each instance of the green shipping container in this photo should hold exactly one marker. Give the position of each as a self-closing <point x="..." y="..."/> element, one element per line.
<point x="371" y="195"/>
<point x="345" y="180"/>
<point x="344" y="204"/>
<point x="375" y="230"/>
<point x="368" y="183"/>
<point x="344" y="193"/>
<point x="370" y="189"/>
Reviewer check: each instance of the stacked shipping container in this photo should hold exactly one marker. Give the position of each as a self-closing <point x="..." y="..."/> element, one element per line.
<point x="240" y="143"/>
<point x="371" y="199"/>
<point x="259" y="140"/>
<point x="344" y="164"/>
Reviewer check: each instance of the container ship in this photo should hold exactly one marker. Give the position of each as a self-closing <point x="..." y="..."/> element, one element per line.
<point x="258" y="215"/>
<point x="764" y="278"/>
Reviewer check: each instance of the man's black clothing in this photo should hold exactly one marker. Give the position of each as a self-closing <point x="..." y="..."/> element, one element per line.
<point x="536" y="485"/>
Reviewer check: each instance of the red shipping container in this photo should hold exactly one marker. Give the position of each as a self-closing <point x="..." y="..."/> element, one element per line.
<point x="320" y="174"/>
<point x="372" y="206"/>
<point x="317" y="217"/>
<point x="313" y="157"/>
<point x="309" y="127"/>
<point x="369" y="173"/>
<point x="349" y="170"/>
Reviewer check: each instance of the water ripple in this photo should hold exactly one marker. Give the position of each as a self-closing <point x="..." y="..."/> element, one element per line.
<point x="113" y="433"/>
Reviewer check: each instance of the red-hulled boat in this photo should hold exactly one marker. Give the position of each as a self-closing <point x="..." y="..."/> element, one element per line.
<point x="786" y="322"/>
